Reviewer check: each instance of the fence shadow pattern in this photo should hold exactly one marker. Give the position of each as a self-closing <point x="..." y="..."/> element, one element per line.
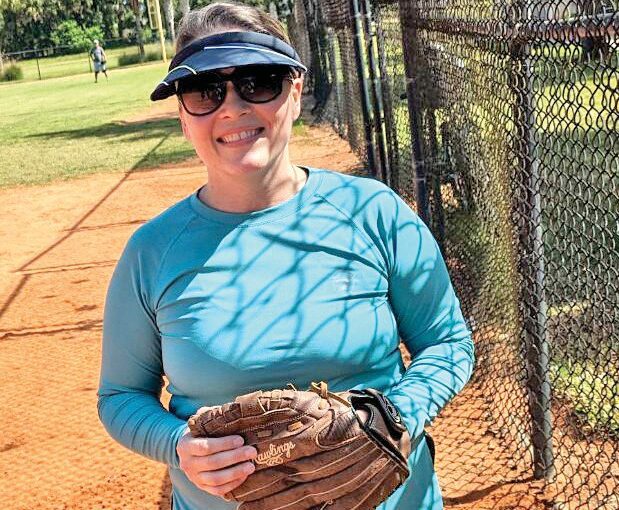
<point x="499" y="120"/>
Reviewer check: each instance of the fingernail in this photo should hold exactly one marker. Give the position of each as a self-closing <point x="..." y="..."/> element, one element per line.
<point x="250" y="468"/>
<point x="238" y="441"/>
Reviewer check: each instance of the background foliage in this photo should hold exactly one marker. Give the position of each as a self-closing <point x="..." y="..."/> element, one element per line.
<point x="69" y="33"/>
<point x="28" y="24"/>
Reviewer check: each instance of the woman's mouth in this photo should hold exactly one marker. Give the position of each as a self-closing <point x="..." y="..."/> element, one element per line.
<point x="241" y="137"/>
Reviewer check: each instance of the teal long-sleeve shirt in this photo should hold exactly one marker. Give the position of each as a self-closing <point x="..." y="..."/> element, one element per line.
<point x="320" y="287"/>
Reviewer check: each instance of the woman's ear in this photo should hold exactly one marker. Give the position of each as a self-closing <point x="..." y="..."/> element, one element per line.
<point x="297" y="92"/>
<point x="181" y="117"/>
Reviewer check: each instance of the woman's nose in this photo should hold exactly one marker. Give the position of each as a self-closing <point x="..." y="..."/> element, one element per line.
<point x="233" y="103"/>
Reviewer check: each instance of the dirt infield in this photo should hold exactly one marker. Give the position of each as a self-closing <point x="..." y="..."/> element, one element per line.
<point x="58" y="247"/>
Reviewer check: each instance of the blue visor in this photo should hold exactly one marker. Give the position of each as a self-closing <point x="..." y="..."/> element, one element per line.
<point x="231" y="49"/>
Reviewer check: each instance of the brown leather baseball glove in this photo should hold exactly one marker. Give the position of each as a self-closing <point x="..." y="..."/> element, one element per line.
<point x="316" y="449"/>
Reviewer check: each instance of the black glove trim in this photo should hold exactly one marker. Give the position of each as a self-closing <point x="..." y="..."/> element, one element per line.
<point x="389" y="412"/>
<point x="380" y="408"/>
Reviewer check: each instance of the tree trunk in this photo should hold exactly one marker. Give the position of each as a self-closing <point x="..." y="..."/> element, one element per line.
<point x="168" y="11"/>
<point x="273" y="10"/>
<point x="2" y="33"/>
<point x="184" y="6"/>
<point x="138" y="27"/>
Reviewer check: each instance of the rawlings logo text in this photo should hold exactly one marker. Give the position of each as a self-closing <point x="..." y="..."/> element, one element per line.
<point x="275" y="454"/>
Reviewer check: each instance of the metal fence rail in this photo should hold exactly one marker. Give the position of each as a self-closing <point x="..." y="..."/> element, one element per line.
<point x="499" y="120"/>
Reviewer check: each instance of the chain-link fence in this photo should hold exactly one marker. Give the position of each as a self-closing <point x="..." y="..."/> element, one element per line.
<point x="499" y="120"/>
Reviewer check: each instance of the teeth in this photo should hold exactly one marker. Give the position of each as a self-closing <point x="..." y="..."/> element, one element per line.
<point x="240" y="136"/>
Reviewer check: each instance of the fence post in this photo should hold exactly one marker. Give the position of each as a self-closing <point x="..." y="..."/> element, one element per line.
<point x="391" y="132"/>
<point x="409" y="38"/>
<point x="363" y="86"/>
<point x="377" y="95"/>
<point x="318" y="66"/>
<point x="336" y="84"/>
<point x="531" y="262"/>
<point x="437" y="211"/>
<point x="36" y="56"/>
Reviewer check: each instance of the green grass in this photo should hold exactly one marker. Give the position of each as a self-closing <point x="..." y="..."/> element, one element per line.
<point x="299" y="128"/>
<point x="483" y="250"/>
<point x="587" y="103"/>
<point x="67" y="65"/>
<point x="592" y="390"/>
<point x="66" y="127"/>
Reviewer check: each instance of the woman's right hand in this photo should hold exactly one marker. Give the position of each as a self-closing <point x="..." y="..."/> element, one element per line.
<point x="216" y="465"/>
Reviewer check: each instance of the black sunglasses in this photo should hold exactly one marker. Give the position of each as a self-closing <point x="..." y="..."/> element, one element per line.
<point x="204" y="93"/>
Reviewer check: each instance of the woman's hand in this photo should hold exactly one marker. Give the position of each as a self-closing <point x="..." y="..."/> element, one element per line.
<point x="216" y="465"/>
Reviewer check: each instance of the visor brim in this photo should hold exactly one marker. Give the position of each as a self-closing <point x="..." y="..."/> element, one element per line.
<point x="211" y="58"/>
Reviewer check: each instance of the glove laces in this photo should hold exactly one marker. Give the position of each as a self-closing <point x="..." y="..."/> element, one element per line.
<point x="322" y="389"/>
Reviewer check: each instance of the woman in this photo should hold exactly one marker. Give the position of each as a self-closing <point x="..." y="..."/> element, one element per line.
<point x="270" y="273"/>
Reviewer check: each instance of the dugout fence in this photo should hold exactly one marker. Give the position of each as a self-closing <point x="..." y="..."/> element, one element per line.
<point x="499" y="121"/>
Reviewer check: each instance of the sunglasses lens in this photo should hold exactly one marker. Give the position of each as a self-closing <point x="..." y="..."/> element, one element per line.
<point x="261" y="87"/>
<point x="201" y="98"/>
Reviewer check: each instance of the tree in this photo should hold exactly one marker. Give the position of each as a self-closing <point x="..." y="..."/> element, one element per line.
<point x="23" y="24"/>
<point x="136" y="5"/>
<point x="263" y="4"/>
<point x="69" y="33"/>
<point x="2" y="32"/>
<point x="29" y="24"/>
<point x="168" y="11"/>
<point x="112" y="13"/>
<point x="184" y="7"/>
<point x="1" y="45"/>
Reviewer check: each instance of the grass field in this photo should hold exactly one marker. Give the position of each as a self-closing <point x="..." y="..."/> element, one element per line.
<point x="67" y="65"/>
<point x="592" y="391"/>
<point x="65" y="127"/>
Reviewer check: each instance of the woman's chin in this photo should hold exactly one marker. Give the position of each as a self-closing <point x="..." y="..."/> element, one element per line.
<point x="249" y="165"/>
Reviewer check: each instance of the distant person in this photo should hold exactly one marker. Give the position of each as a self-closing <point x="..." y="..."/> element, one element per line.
<point x="100" y="60"/>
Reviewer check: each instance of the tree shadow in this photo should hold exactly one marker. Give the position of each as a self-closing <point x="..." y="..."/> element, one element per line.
<point x="476" y="495"/>
<point x="118" y="130"/>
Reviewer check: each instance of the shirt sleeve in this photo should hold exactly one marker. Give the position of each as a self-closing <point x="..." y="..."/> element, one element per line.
<point x="131" y="368"/>
<point x="429" y="319"/>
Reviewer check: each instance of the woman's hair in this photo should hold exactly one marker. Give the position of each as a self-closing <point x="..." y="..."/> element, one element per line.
<point x="220" y="16"/>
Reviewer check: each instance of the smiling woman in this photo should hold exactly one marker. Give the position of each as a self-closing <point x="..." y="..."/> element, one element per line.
<point x="239" y="86"/>
<point x="269" y="274"/>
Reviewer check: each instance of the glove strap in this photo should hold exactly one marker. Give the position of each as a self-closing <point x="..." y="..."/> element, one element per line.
<point x="382" y="423"/>
<point x="389" y="412"/>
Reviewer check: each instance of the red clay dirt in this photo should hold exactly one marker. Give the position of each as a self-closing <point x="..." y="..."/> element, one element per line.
<point x="59" y="244"/>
